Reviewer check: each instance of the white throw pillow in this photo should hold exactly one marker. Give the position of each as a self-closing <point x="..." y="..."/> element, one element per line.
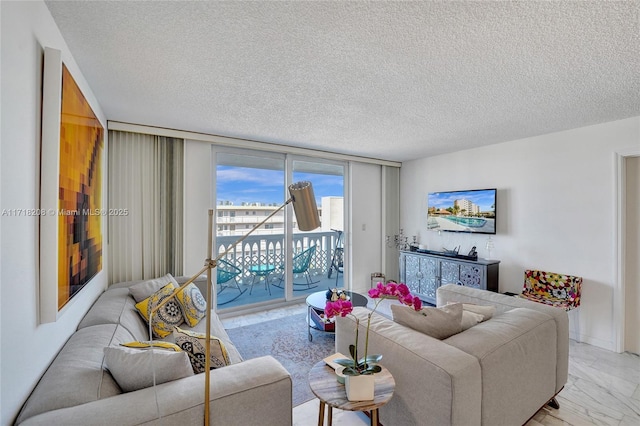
<point x="487" y="311"/>
<point x="145" y="289"/>
<point x="133" y="369"/>
<point x="440" y="322"/>
<point x="469" y="319"/>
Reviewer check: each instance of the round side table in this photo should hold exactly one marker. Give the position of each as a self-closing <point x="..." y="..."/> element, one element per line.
<point x="324" y="385"/>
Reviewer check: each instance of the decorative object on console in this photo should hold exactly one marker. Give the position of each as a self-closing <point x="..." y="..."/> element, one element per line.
<point x="400" y="241"/>
<point x="306" y="211"/>
<point x="368" y="364"/>
<point x="489" y="246"/>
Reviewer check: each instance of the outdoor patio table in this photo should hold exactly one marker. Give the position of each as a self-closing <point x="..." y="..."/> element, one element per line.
<point x="261" y="271"/>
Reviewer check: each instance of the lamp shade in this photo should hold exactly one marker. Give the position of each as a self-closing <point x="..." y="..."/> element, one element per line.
<point x="304" y="205"/>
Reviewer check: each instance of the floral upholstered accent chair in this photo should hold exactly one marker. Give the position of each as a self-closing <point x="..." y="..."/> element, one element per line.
<point x="559" y="290"/>
<point x="562" y="291"/>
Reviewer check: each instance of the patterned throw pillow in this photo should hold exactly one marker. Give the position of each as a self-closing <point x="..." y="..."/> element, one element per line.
<point x="194" y="344"/>
<point x="193" y="304"/>
<point x="167" y="317"/>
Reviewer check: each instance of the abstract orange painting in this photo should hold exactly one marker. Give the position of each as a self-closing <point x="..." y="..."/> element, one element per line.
<point x="80" y="192"/>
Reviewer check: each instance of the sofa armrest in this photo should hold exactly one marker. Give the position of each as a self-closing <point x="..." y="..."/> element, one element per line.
<point x="254" y="392"/>
<point x="452" y="293"/>
<point x="434" y="380"/>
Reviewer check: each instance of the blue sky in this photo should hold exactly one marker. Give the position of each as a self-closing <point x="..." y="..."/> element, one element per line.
<point x="243" y="184"/>
<point x="483" y="198"/>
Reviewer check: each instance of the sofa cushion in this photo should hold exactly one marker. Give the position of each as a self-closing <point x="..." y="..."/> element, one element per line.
<point x="168" y="316"/>
<point x="138" y="368"/>
<point x="115" y="306"/>
<point x="192" y="303"/>
<point x="77" y="375"/>
<point x="435" y="322"/>
<point x="194" y="345"/>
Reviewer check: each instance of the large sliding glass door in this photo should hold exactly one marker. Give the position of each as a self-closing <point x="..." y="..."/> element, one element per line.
<point x="327" y="265"/>
<point x="277" y="262"/>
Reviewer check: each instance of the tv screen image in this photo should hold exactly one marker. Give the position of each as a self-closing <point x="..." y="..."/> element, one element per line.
<point x="472" y="211"/>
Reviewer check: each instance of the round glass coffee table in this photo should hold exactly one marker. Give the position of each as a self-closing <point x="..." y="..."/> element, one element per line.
<point x="315" y="307"/>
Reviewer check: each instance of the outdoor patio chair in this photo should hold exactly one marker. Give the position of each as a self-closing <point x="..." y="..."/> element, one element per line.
<point x="301" y="263"/>
<point x="225" y="273"/>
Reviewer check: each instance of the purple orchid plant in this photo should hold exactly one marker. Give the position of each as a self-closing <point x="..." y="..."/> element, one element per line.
<point x="369" y="363"/>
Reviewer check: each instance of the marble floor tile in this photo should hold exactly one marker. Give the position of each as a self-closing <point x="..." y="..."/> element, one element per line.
<point x="589" y="373"/>
<point x="307" y="415"/>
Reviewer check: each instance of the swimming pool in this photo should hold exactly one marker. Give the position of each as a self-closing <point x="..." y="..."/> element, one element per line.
<point x="471" y="222"/>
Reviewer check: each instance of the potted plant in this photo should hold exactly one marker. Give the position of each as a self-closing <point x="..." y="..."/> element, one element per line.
<point x="359" y="379"/>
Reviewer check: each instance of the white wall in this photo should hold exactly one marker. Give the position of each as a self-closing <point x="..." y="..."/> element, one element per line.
<point x="26" y="347"/>
<point x="555" y="209"/>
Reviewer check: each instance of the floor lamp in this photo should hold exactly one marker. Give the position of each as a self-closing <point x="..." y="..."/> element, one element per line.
<point x="304" y="205"/>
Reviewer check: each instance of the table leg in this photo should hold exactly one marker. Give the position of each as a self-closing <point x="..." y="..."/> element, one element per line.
<point x="253" y="280"/>
<point x="266" y="282"/>
<point x="374" y="417"/>
<point x="330" y="416"/>
<point x="309" y="323"/>
<point x="321" y="414"/>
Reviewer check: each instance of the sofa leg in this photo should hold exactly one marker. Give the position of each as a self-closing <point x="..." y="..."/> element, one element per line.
<point x="553" y="403"/>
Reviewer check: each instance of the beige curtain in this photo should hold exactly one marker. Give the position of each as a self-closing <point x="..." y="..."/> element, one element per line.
<point x="146" y="206"/>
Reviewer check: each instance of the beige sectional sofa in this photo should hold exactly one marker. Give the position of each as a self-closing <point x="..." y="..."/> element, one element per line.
<point x="498" y="372"/>
<point x="77" y="388"/>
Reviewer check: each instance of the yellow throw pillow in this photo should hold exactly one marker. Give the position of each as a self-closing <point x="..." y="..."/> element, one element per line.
<point x="194" y="344"/>
<point x="165" y="318"/>
<point x="158" y="344"/>
<point x="193" y="304"/>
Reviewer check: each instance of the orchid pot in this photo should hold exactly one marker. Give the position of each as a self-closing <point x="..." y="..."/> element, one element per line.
<point x="360" y="387"/>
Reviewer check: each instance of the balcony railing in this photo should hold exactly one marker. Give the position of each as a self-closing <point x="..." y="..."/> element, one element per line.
<point x="268" y="249"/>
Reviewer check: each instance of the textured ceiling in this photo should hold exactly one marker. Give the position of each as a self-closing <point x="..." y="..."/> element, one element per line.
<point x="389" y="80"/>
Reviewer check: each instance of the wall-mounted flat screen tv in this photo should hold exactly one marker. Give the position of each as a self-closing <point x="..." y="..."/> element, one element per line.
<point x="472" y="211"/>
